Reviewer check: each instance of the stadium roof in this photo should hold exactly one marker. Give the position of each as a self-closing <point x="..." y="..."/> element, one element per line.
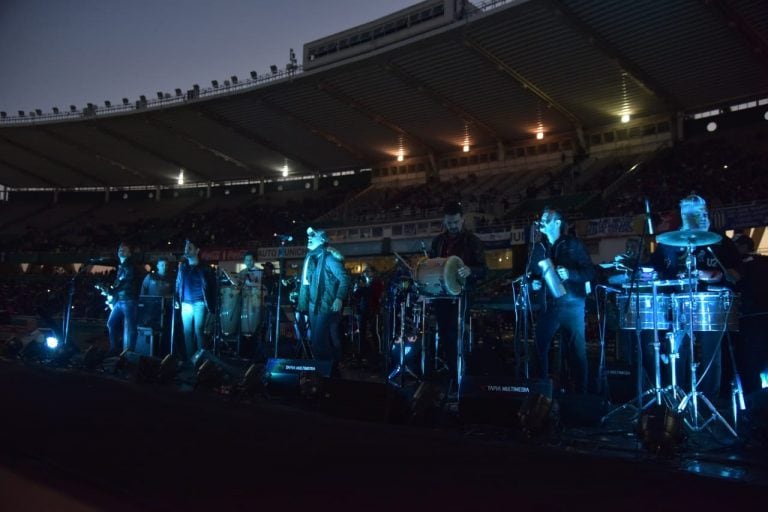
<point x="494" y="76"/>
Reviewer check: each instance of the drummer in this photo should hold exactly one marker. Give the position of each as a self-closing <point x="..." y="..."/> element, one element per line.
<point x="456" y="240"/>
<point x="717" y="265"/>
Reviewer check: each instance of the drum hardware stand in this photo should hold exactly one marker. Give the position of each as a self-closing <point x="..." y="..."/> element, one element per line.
<point x="737" y="392"/>
<point x="692" y="398"/>
<point x="402" y="368"/>
<point x="657" y="391"/>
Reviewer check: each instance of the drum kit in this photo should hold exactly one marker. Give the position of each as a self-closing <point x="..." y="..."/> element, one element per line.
<point x="431" y="279"/>
<point x="676" y="306"/>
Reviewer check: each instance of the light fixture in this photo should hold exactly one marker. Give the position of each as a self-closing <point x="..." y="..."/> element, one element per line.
<point x="539" y="123"/>
<point x="625" y="110"/>
<point x="234" y="79"/>
<point x="285" y="168"/>
<point x="215" y="84"/>
<point x="254" y="75"/>
<point x="107" y="103"/>
<point x="180" y="179"/>
<point x="400" y="149"/>
<point x="55" y="110"/>
<point x="465" y="146"/>
<point x="52" y="342"/>
<point x="711" y="126"/>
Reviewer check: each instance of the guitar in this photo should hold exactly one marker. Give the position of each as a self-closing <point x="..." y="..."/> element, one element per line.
<point x="109" y="300"/>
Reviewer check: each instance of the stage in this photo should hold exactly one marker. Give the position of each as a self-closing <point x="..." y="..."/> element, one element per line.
<point x="90" y="440"/>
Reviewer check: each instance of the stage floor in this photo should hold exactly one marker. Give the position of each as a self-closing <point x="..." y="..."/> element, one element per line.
<point x="78" y="440"/>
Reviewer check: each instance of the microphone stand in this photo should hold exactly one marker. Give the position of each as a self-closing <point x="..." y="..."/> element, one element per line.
<point x="66" y="317"/>
<point x="280" y="275"/>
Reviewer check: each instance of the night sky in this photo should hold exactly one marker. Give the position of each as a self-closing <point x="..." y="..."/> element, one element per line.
<point x="72" y="52"/>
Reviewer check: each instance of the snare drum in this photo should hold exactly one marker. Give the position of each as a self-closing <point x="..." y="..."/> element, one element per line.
<point x="640" y="306"/>
<point x="712" y="311"/>
<point x="437" y="277"/>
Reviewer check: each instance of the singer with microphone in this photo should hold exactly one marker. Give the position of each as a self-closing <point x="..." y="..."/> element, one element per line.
<point x="562" y="271"/>
<point x="718" y="267"/>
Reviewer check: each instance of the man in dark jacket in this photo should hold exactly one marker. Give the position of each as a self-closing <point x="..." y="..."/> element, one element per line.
<point x="562" y="301"/>
<point x="456" y="240"/>
<point x="125" y="293"/>
<point x="194" y="295"/>
<point x="324" y="286"/>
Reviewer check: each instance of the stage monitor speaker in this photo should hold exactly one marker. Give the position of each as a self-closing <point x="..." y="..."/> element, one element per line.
<point x="496" y="400"/>
<point x="295" y="376"/>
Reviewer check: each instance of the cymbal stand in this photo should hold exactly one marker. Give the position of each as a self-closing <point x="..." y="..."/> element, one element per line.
<point x="522" y="316"/>
<point x="693" y="397"/>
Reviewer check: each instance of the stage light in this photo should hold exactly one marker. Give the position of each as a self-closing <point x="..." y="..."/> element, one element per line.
<point x="539" y="135"/>
<point x="660" y="430"/>
<point x="764" y="380"/>
<point x="465" y="148"/>
<point x="625" y="118"/>
<point x="215" y="84"/>
<point x="254" y="75"/>
<point x="711" y="126"/>
<point x="52" y="342"/>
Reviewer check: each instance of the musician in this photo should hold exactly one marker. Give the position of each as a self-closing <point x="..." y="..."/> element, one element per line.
<point x="670" y="262"/>
<point x="159" y="282"/>
<point x="366" y="303"/>
<point x="456" y="240"/>
<point x="125" y="293"/>
<point x="574" y="269"/>
<point x="195" y="285"/>
<point x="324" y="285"/>
<point x="250" y="276"/>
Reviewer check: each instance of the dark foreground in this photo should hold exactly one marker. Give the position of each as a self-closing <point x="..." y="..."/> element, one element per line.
<point x="74" y="440"/>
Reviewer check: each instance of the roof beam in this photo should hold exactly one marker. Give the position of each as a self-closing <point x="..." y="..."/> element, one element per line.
<point x="634" y="71"/>
<point x="439" y="98"/>
<point x="201" y="145"/>
<point x="155" y="154"/>
<point x="251" y="136"/>
<point x="96" y="154"/>
<point x="328" y="136"/>
<point x="29" y="173"/>
<point x="748" y="33"/>
<point x="54" y="161"/>
<point x="334" y="92"/>
<point x="523" y="81"/>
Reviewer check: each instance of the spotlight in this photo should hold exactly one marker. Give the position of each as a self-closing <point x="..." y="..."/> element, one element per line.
<point x="624" y="118"/>
<point x="539" y="135"/>
<point x="52" y="342"/>
<point x="711" y="126"/>
<point x="660" y="430"/>
<point x="273" y="69"/>
<point x="465" y="148"/>
<point x="178" y="92"/>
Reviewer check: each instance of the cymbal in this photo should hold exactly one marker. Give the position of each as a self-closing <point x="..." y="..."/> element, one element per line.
<point x="686" y="237"/>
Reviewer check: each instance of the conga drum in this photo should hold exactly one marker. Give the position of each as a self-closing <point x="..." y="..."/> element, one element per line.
<point x="229" y="310"/>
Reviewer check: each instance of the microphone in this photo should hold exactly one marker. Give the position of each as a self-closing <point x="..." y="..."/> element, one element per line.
<point x="284" y="238"/>
<point x="648" y="217"/>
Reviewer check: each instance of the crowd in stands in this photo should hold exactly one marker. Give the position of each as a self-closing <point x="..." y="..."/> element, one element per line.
<point x="715" y="169"/>
<point x="721" y="171"/>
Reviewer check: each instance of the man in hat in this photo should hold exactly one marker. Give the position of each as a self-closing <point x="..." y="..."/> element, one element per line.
<point x="324" y="286"/>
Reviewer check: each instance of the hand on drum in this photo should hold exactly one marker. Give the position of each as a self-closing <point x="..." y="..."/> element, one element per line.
<point x="710" y="276"/>
<point x="536" y="285"/>
<point x="336" y="307"/>
<point x="563" y="273"/>
<point x="464" y="272"/>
